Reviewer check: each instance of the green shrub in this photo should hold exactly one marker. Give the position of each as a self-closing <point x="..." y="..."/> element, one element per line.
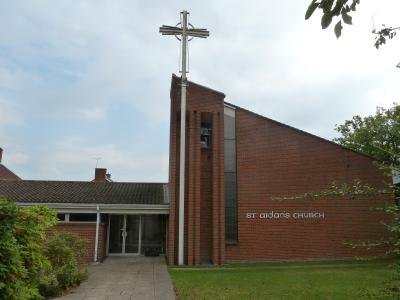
<point x="48" y="285"/>
<point x="32" y="226"/>
<point x="65" y="251"/>
<point x="70" y="275"/>
<point x="30" y="267"/>
<point x="22" y="235"/>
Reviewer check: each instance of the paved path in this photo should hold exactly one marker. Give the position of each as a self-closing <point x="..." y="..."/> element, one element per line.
<point x="126" y="278"/>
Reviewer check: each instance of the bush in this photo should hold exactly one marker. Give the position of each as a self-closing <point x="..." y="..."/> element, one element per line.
<point x="22" y="235"/>
<point x="48" y="285"/>
<point x="65" y="251"/>
<point x="30" y="267"/>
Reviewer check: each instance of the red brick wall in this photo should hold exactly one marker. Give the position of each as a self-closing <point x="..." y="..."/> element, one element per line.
<point x="272" y="160"/>
<point x="199" y="225"/>
<point x="87" y="231"/>
<point x="206" y="206"/>
<point x="275" y="160"/>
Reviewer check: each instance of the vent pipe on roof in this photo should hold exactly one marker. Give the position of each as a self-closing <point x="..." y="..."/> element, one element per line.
<point x="1" y="154"/>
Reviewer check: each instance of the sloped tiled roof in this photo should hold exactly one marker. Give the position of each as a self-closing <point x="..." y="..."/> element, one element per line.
<point x="6" y="174"/>
<point x="34" y="191"/>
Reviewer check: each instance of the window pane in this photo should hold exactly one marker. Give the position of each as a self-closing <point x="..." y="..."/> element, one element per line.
<point x="230" y="156"/>
<point x="153" y="234"/>
<point x="132" y="234"/>
<point x="116" y="226"/>
<point x="230" y="189"/>
<point x="82" y="217"/>
<point x="231" y="224"/>
<point x="229" y="127"/>
<point x="61" y="217"/>
<point x="230" y="207"/>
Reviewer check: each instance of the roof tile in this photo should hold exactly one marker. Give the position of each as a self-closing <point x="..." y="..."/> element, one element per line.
<point x="36" y="191"/>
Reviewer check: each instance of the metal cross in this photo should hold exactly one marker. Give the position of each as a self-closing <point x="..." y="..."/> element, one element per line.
<point x="182" y="33"/>
<point x="185" y="30"/>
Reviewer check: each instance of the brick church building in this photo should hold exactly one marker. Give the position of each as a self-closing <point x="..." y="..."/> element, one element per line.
<point x="236" y="163"/>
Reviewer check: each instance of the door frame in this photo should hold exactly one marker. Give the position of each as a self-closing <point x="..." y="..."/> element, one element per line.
<point x="123" y="253"/>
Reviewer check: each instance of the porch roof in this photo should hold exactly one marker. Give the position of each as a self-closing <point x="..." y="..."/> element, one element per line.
<point x="79" y="192"/>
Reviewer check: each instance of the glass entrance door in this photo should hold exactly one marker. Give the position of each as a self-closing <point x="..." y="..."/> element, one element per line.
<point x="132" y="229"/>
<point x="116" y="225"/>
<point x="136" y="234"/>
<point x="124" y="234"/>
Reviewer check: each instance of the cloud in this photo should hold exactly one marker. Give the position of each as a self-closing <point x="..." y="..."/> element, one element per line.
<point x="74" y="157"/>
<point x="9" y="114"/>
<point x="82" y="79"/>
<point x="18" y="158"/>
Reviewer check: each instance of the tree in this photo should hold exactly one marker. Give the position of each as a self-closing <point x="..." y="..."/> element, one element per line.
<point x="342" y="10"/>
<point x="377" y="136"/>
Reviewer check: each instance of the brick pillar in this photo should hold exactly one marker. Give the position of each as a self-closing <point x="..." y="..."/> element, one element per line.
<point x="215" y="190"/>
<point x="193" y="189"/>
<point x="221" y="190"/>
<point x="197" y="212"/>
<point x="173" y="166"/>
<point x="191" y="174"/>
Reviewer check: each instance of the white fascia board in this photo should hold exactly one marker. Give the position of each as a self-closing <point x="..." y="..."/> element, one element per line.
<point x="105" y="208"/>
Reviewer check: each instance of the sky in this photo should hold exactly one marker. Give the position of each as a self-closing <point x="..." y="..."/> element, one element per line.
<point x="82" y="80"/>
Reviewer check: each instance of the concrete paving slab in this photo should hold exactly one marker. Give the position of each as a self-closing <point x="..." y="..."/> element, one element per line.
<point x="130" y="277"/>
<point x="73" y="297"/>
<point x="125" y="297"/>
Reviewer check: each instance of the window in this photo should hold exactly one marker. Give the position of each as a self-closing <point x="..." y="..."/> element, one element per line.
<point x="82" y="217"/>
<point x="231" y="220"/>
<point x="205" y="137"/>
<point x="61" y="217"/>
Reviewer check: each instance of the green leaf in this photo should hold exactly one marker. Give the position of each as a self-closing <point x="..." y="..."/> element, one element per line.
<point x="311" y="8"/>
<point x="353" y="6"/>
<point x="338" y="29"/>
<point x="326" y="5"/>
<point x="338" y="8"/>
<point x="347" y="19"/>
<point x="326" y="20"/>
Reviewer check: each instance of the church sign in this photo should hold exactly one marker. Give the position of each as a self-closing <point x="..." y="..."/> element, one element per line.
<point x="298" y="215"/>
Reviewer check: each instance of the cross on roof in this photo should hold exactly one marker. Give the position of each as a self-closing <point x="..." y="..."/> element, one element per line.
<point x="174" y="30"/>
<point x="185" y="29"/>
<point x="182" y="33"/>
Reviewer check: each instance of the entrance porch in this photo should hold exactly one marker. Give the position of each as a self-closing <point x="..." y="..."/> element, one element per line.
<point x="133" y="234"/>
<point x="116" y="230"/>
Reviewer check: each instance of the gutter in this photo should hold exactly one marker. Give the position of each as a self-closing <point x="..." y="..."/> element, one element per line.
<point x="104" y="208"/>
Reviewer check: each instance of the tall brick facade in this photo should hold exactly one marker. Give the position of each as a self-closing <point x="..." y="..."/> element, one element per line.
<point x="272" y="159"/>
<point x="275" y="160"/>
<point x="204" y="205"/>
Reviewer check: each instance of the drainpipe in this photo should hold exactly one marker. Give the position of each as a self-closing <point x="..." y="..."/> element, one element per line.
<point x="96" y="244"/>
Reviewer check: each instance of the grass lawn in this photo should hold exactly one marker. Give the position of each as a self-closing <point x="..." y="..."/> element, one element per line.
<point x="301" y="280"/>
